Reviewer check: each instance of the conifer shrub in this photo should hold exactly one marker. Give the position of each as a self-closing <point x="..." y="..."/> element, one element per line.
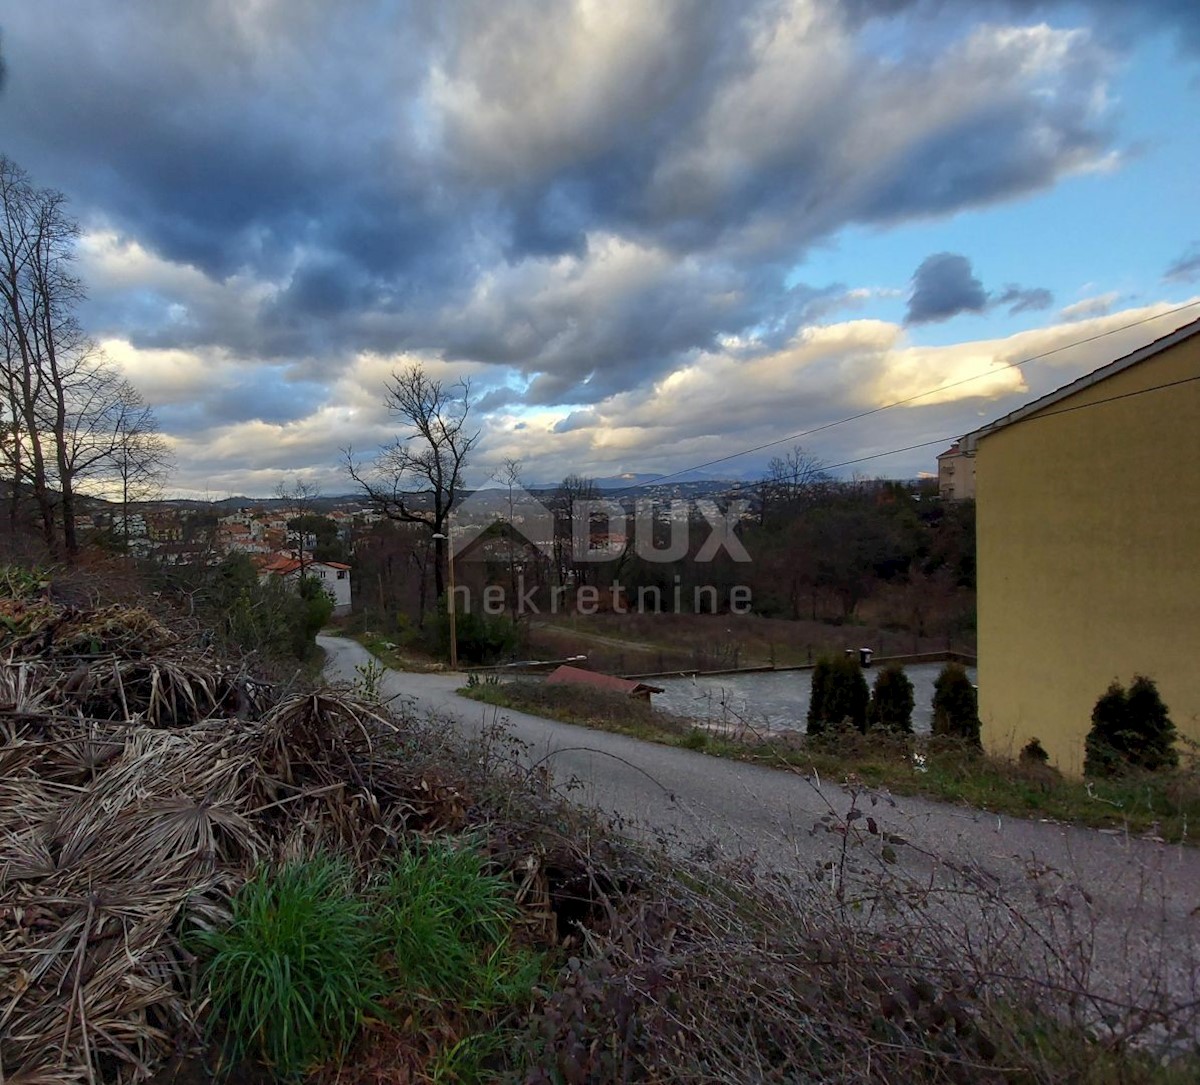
<point x="1130" y="730"/>
<point x="839" y="693"/>
<point x="1034" y="753"/>
<point x="955" y="706"/>
<point x="892" y="700"/>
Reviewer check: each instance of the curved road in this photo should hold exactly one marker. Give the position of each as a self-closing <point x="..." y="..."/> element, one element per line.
<point x="1139" y="897"/>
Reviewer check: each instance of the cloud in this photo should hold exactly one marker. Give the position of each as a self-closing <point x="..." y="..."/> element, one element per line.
<point x="718" y="402"/>
<point x="292" y="185"/>
<point x="943" y="286"/>
<point x="1117" y="18"/>
<point x="1186" y="268"/>
<point x="576" y="420"/>
<point x="1021" y="299"/>
<point x="1099" y="305"/>
<point x="571" y="202"/>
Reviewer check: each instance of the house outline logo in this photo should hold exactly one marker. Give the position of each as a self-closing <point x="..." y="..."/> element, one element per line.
<point x="536" y="526"/>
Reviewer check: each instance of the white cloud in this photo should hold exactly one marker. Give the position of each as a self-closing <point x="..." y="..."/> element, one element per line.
<point x="1097" y="305"/>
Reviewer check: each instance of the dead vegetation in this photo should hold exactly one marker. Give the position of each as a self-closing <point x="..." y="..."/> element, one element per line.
<point x="140" y="789"/>
<point x="134" y="796"/>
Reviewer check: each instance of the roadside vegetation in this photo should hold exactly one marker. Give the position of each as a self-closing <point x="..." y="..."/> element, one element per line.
<point x="949" y="768"/>
<point x="205" y="874"/>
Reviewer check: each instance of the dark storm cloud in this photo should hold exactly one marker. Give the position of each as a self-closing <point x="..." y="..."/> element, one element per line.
<point x="760" y="142"/>
<point x="1020" y="299"/>
<point x="496" y="399"/>
<point x="589" y="194"/>
<point x="1187" y="268"/>
<point x="943" y="286"/>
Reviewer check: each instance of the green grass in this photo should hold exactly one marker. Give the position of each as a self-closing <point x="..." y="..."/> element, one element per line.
<point x="447" y="925"/>
<point x="1165" y="804"/>
<point x="398" y="657"/>
<point x="310" y="953"/>
<point x="295" y="972"/>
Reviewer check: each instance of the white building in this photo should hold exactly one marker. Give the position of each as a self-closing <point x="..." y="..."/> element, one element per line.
<point x="333" y="576"/>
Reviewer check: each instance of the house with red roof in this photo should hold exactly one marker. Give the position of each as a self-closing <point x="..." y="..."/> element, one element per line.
<point x="333" y="576"/>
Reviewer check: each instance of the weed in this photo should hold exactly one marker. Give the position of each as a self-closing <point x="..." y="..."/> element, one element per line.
<point x="294" y="973"/>
<point x="370" y="678"/>
<point x="446" y="923"/>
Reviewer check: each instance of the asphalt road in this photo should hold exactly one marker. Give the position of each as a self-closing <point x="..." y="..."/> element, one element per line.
<point x="1123" y="912"/>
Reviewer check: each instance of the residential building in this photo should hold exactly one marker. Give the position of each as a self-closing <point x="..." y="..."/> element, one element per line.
<point x="1088" y="521"/>
<point x="956" y="474"/>
<point x="333" y="576"/>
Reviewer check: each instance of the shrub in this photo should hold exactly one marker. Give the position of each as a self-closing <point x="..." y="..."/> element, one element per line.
<point x="955" y="706"/>
<point x="839" y="692"/>
<point x="316" y="607"/>
<point x="1130" y="730"/>
<point x="892" y="700"/>
<point x="1033" y="753"/>
<point x="295" y="971"/>
<point x="481" y="638"/>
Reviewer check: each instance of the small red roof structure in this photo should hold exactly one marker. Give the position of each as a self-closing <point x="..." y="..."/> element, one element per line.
<point x="282" y="566"/>
<point x="610" y="683"/>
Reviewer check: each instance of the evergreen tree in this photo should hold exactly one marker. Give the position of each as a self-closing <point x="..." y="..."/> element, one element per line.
<point x="955" y="706"/>
<point x="1130" y="730"/>
<point x="892" y="700"/>
<point x="839" y="693"/>
<point x="816" y="699"/>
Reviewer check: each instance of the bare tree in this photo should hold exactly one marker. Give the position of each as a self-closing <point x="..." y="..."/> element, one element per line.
<point x="141" y="458"/>
<point x="509" y="476"/>
<point x="791" y="481"/>
<point x="418" y="477"/>
<point x="572" y="490"/>
<point x="63" y="404"/>
<point x="301" y="497"/>
<point x="19" y="303"/>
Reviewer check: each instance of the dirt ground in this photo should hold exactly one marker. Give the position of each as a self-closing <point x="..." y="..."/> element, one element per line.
<point x="644" y="643"/>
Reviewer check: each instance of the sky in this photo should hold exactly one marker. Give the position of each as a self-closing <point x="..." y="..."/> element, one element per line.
<point x="649" y="233"/>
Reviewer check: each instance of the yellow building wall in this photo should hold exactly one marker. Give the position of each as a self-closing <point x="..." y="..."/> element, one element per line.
<point x="1089" y="557"/>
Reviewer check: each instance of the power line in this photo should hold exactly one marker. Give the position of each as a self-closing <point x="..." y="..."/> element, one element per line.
<point x="1032" y="418"/>
<point x="903" y="402"/>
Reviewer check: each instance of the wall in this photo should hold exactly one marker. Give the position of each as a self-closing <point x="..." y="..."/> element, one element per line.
<point x="338" y="588"/>
<point x="1089" y="557"/>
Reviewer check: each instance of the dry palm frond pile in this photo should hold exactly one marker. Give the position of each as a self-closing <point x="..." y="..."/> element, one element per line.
<point x="118" y="663"/>
<point x="132" y="802"/>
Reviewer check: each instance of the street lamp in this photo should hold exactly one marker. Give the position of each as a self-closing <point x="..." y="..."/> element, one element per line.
<point x="450" y="604"/>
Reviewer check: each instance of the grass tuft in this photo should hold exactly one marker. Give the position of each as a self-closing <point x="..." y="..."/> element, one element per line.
<point x="446" y="923"/>
<point x="294" y="973"/>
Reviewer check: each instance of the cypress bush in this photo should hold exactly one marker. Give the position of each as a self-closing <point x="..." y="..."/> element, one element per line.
<point x="892" y="700"/>
<point x="955" y="706"/>
<point x="1130" y="730"/>
<point x="839" y="693"/>
<point x="1034" y="753"/>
